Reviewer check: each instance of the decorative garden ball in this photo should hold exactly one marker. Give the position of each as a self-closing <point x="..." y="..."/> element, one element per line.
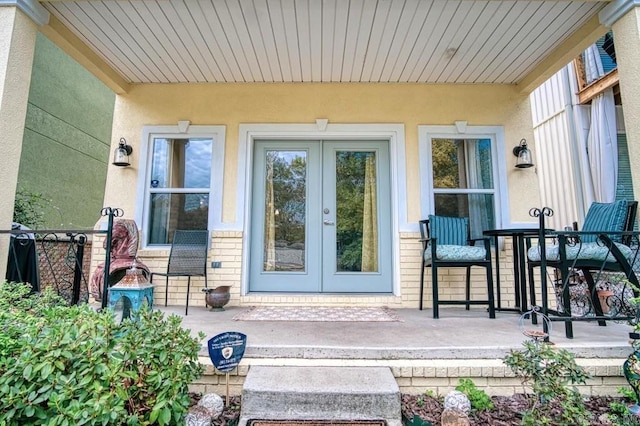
<point x="458" y="400"/>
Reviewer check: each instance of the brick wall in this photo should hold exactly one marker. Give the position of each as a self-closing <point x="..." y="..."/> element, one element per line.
<point x="439" y="375"/>
<point x="227" y="247"/>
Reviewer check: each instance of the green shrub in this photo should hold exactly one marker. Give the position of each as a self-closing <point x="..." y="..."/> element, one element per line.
<point x="74" y="366"/>
<point x="619" y="414"/>
<point x="479" y="399"/>
<point x="29" y="208"/>
<point x="549" y="372"/>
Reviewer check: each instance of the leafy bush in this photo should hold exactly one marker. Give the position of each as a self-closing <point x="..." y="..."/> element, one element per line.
<point x="29" y="208"/>
<point x="619" y="410"/>
<point x="549" y="372"/>
<point x="72" y="365"/>
<point x="478" y="398"/>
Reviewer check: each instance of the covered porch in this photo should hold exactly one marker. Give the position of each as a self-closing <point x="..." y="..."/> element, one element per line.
<point x="238" y="74"/>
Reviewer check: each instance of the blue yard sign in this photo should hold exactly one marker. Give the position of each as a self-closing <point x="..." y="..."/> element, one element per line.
<point x="226" y="350"/>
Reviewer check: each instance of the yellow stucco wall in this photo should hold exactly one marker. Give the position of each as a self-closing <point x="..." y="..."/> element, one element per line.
<point x="17" y="43"/>
<point x="234" y="104"/>
<point x="627" y="35"/>
<point x="409" y="104"/>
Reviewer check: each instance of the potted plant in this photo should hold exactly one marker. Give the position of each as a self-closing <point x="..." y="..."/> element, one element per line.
<point x="604" y="297"/>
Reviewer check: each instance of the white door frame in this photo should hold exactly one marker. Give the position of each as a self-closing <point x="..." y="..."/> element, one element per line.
<point x="394" y="133"/>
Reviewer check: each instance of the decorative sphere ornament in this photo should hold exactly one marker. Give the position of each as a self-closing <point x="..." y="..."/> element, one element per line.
<point x="212" y="402"/>
<point x="458" y="400"/>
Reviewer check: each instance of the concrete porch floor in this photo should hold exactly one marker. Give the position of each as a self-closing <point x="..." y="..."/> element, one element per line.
<point x="457" y="334"/>
<point x="424" y="354"/>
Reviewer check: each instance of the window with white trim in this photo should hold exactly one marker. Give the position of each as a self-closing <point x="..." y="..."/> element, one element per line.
<point x="460" y="177"/>
<point x="182" y="182"/>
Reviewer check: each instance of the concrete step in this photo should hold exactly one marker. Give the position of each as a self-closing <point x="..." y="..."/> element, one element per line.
<point x="320" y="393"/>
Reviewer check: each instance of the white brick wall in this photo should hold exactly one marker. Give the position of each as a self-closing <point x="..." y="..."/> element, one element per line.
<point x="227" y="248"/>
<point x="439" y="376"/>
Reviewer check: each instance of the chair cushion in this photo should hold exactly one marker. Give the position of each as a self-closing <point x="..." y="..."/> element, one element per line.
<point x="605" y="217"/>
<point x="449" y="230"/>
<point x="585" y="251"/>
<point x="456" y="253"/>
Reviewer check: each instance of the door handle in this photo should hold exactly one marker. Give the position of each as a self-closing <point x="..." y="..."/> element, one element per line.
<point x="328" y="222"/>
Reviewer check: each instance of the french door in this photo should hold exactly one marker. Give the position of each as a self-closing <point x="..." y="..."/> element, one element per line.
<point x="321" y="217"/>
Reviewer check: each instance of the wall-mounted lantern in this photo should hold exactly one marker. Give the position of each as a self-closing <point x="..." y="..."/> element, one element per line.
<point x="524" y="155"/>
<point x="122" y="153"/>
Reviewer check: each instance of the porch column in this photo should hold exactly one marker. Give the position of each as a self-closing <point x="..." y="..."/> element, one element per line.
<point x="19" y="20"/>
<point x="624" y="19"/>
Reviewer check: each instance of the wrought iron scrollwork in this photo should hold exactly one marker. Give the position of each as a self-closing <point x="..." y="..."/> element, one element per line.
<point x="64" y="256"/>
<point x="56" y="258"/>
<point x="594" y="277"/>
<point x="52" y="259"/>
<point x="537" y="212"/>
<point x="112" y="212"/>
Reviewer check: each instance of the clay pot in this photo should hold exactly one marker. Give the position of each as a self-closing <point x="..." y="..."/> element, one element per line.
<point x="217" y="297"/>
<point x="604" y="295"/>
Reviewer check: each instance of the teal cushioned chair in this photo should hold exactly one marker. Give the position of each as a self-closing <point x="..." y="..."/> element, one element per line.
<point x="601" y="217"/>
<point x="601" y="245"/>
<point x="446" y="243"/>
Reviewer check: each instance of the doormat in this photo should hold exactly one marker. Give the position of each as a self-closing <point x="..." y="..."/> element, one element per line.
<point x="317" y="314"/>
<point x="316" y="422"/>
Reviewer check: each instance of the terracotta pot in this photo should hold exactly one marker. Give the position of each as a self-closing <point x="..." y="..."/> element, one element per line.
<point x="603" y="296"/>
<point x="217" y="297"/>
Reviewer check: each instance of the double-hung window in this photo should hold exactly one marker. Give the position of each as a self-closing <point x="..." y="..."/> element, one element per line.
<point x="182" y="182"/>
<point x="459" y="175"/>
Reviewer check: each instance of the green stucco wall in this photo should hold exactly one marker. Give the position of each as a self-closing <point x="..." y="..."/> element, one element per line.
<point x="67" y="136"/>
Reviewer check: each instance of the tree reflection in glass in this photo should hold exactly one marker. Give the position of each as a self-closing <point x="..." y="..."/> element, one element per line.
<point x="357" y="212"/>
<point x="285" y="211"/>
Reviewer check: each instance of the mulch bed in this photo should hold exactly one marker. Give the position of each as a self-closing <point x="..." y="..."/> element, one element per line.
<point x="506" y="411"/>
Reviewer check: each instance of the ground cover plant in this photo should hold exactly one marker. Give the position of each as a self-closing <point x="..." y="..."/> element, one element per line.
<point x="64" y="365"/>
<point x="551" y="374"/>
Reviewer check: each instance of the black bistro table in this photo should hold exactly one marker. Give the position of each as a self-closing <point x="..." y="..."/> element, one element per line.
<point x="518" y="236"/>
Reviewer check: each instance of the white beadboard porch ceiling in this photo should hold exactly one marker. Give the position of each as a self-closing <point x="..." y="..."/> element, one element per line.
<point x="432" y="41"/>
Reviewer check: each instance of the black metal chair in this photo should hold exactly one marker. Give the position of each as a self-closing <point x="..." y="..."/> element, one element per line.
<point x="188" y="258"/>
<point x="603" y="245"/>
<point x="446" y="243"/>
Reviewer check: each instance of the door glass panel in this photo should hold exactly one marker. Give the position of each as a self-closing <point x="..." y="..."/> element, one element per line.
<point x="356" y="212"/>
<point x="285" y="210"/>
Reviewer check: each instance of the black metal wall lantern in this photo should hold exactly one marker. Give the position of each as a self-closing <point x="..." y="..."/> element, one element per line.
<point x="122" y="153"/>
<point x="524" y="155"/>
